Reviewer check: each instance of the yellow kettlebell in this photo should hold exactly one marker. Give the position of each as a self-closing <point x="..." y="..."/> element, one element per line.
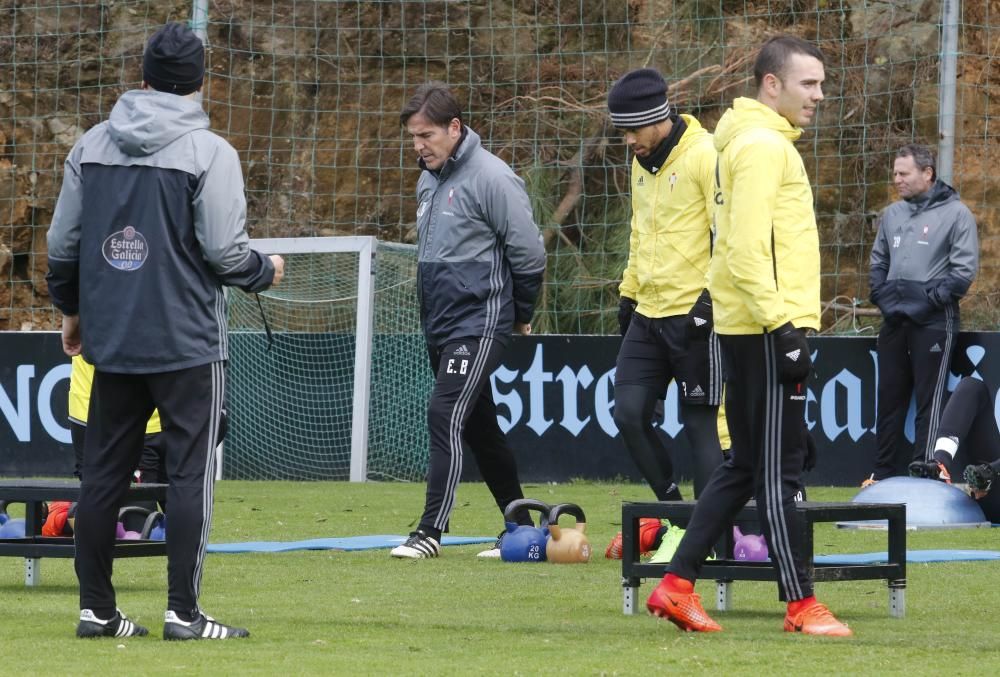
<point x="567" y="545"/>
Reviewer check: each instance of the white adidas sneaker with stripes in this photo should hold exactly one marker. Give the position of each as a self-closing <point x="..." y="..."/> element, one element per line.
<point x="418" y="546"/>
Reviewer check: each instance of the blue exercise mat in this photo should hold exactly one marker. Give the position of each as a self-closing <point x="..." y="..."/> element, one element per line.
<point x="345" y="543"/>
<point x="912" y="556"/>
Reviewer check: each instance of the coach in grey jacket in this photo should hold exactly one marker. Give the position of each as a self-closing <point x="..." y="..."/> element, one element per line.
<point x="480" y="267"/>
<point x="926" y="254"/>
<point x="148" y="227"/>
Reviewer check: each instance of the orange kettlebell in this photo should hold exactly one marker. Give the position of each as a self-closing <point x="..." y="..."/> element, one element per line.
<point x="567" y="545"/>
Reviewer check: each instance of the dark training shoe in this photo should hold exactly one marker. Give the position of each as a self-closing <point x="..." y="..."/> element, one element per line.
<point x="980" y="479"/>
<point x="673" y="493"/>
<point x="203" y="627"/>
<point x="931" y="470"/>
<point x="117" y="626"/>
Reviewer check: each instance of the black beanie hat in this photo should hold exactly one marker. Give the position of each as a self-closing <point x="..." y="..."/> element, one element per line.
<point x="639" y="99"/>
<point x="174" y="60"/>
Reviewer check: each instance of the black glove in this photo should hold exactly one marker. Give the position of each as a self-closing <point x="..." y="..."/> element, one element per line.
<point x="936" y="297"/>
<point x="792" y="348"/>
<point x="699" y="318"/>
<point x="625" y="309"/>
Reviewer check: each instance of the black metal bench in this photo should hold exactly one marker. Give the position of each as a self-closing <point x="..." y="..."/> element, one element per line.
<point x="725" y="571"/>
<point x="34" y="546"/>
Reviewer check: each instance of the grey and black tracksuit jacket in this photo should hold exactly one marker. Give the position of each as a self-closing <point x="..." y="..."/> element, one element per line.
<point x="925" y="257"/>
<point x="481" y="264"/>
<point x="148" y="228"/>
<point x="481" y="261"/>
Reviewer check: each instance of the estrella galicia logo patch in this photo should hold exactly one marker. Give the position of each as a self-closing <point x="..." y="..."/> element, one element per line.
<point x="126" y="250"/>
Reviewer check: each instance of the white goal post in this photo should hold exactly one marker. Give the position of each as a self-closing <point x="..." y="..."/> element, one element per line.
<point x="365" y="247"/>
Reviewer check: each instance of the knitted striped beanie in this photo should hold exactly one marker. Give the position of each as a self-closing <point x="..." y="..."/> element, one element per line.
<point x="639" y="99"/>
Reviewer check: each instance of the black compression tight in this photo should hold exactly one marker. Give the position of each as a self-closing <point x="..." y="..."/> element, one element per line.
<point x="634" y="407"/>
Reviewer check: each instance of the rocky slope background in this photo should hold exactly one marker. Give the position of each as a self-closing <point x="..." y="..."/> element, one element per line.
<point x="309" y="94"/>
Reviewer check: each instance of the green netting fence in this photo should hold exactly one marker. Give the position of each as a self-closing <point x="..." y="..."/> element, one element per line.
<point x="309" y="94"/>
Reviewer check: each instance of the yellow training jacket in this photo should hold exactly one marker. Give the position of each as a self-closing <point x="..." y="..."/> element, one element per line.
<point x="670" y="243"/>
<point x="80" y="380"/>
<point x="765" y="271"/>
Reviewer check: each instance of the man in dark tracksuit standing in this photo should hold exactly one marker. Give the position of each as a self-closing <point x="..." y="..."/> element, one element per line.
<point x="480" y="267"/>
<point x="764" y="279"/>
<point x="149" y="226"/>
<point x="925" y="257"/>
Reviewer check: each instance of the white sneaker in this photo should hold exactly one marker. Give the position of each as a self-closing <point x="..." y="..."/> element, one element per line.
<point x="493" y="552"/>
<point x="418" y="546"/>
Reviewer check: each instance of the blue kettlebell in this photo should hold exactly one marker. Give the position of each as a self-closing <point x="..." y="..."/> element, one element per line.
<point x="523" y="543"/>
<point x="158" y="532"/>
<point x="13" y="528"/>
<point x="155" y="527"/>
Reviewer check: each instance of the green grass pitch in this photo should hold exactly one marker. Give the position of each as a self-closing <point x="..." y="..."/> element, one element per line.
<point x="365" y="613"/>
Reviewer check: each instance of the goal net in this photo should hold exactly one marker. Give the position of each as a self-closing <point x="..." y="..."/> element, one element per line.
<point x="328" y="376"/>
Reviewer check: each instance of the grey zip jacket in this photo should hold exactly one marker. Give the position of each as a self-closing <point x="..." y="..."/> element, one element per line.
<point x="480" y="256"/>
<point x="149" y="225"/>
<point x="925" y="257"/>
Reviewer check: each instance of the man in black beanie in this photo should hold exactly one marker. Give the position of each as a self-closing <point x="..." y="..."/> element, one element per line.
<point x="149" y="226"/>
<point x="174" y="60"/>
<point x="669" y="250"/>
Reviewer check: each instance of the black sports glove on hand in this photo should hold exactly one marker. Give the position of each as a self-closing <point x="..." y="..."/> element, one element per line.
<point x="699" y="318"/>
<point x="625" y="309"/>
<point x="792" y="348"/>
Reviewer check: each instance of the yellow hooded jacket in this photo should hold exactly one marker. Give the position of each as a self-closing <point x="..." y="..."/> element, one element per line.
<point x="766" y="269"/>
<point x="81" y="378"/>
<point x="670" y="243"/>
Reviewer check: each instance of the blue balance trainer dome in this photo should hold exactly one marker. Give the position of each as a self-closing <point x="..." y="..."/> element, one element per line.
<point x="930" y="504"/>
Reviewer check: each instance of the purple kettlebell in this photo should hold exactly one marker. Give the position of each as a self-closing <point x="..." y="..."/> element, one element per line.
<point x="749" y="548"/>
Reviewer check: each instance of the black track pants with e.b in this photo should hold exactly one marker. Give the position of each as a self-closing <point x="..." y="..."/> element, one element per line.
<point x="462" y="414"/>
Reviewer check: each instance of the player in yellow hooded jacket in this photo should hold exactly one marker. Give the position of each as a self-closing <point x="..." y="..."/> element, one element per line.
<point x="81" y="379"/>
<point x="151" y="468"/>
<point x="670" y="245"/>
<point x="765" y="286"/>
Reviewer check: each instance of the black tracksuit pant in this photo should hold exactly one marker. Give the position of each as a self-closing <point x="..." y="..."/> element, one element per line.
<point x="969" y="418"/>
<point x="911" y="359"/>
<point x="462" y="413"/>
<point x="768" y="451"/>
<point x="190" y="403"/>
